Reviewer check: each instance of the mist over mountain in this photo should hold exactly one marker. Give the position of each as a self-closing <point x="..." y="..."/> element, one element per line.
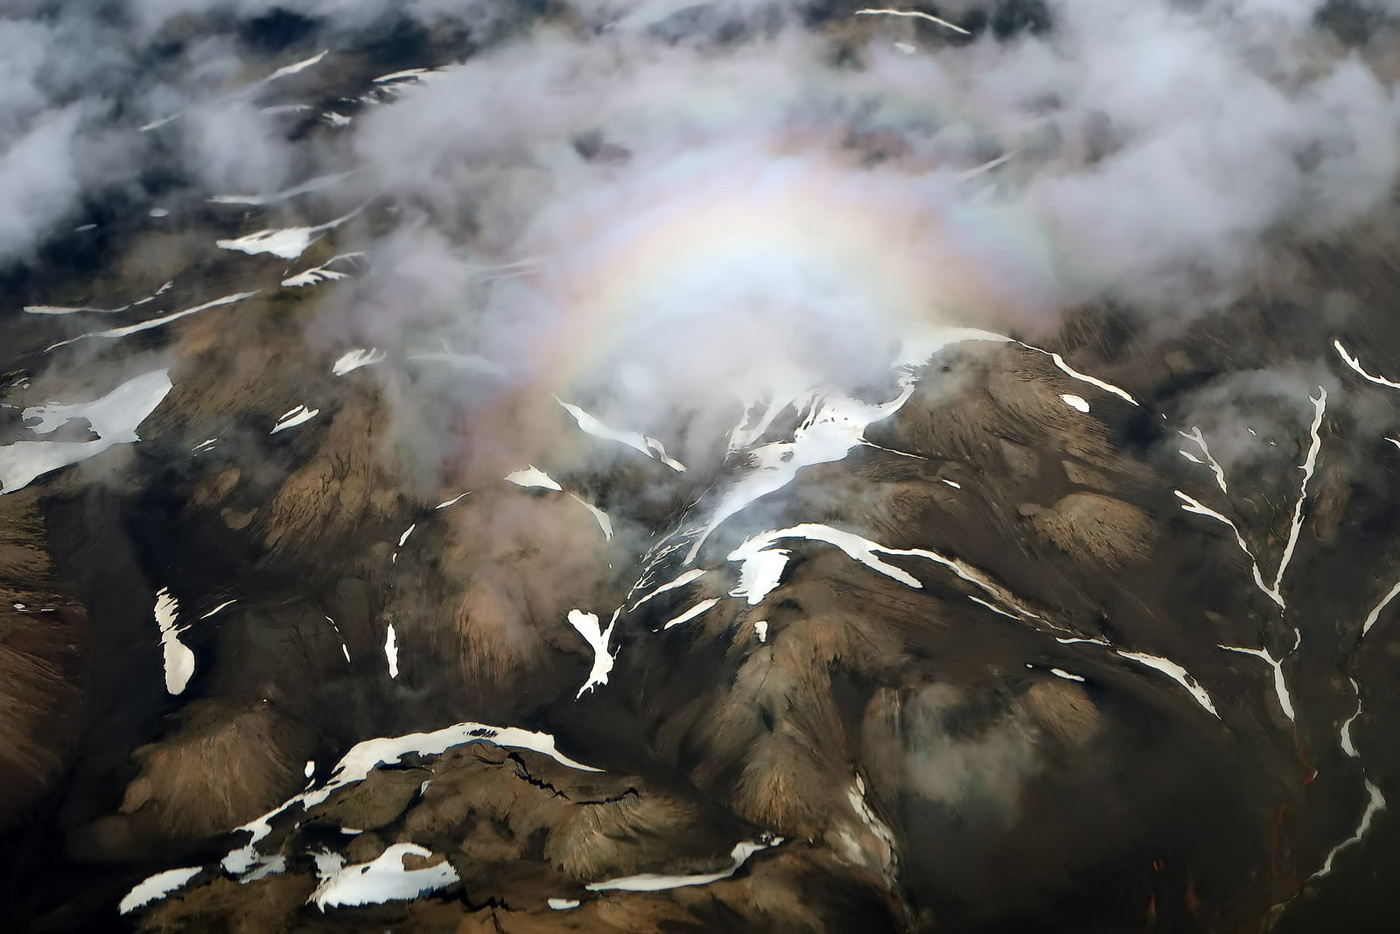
<point x="774" y="465"/>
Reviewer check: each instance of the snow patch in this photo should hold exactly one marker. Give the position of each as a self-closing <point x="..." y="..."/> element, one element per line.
<point x="294" y="417"/>
<point x="533" y="478"/>
<point x="154" y="322"/>
<point x="114" y="418"/>
<point x="321" y="273"/>
<point x="597" y="638"/>
<point x="285" y="242"/>
<point x="391" y="651"/>
<point x="383" y="879"/>
<point x="352" y="360"/>
<point x="1077" y="403"/>
<point x="157" y="887"/>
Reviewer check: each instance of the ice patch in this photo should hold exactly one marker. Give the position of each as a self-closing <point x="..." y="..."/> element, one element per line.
<point x="1061" y="673"/>
<point x="114" y="418"/>
<point x="383" y="879"/>
<point x="157" y="887"/>
<point x="562" y="904"/>
<point x="1077" y="403"/>
<point x="453" y="501"/>
<point x="760" y="628"/>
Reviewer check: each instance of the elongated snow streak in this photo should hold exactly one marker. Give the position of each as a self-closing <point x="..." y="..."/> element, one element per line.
<point x="453" y="501"/>
<point x="1174" y="671"/>
<point x="1375" y="613"/>
<point x="993" y="607"/>
<point x="763" y="564"/>
<point x="986" y="167"/>
<point x="366" y="756"/>
<point x="698" y="610"/>
<point x="1197" y="508"/>
<point x="306" y="187"/>
<point x="915" y="14"/>
<point x="633" y="439"/>
<point x="1308" y="466"/>
<point x="75" y="309"/>
<point x="1355" y="364"/>
<point x="1374" y="805"/>
<point x="406" y="74"/>
<point x="602" y="518"/>
<point x="1348" y="746"/>
<point x="1200" y="441"/>
<point x="383" y="879"/>
<point x="1280" y="685"/>
<point x="681" y="581"/>
<point x="653" y="882"/>
<point x="1165" y="665"/>
<point x="220" y="608"/>
<point x="157" y="887"/>
<point x="1082" y="377"/>
<point x="154" y="322"/>
<point x="322" y="273"/>
<point x="248" y="89"/>
<point x="597" y="638"/>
